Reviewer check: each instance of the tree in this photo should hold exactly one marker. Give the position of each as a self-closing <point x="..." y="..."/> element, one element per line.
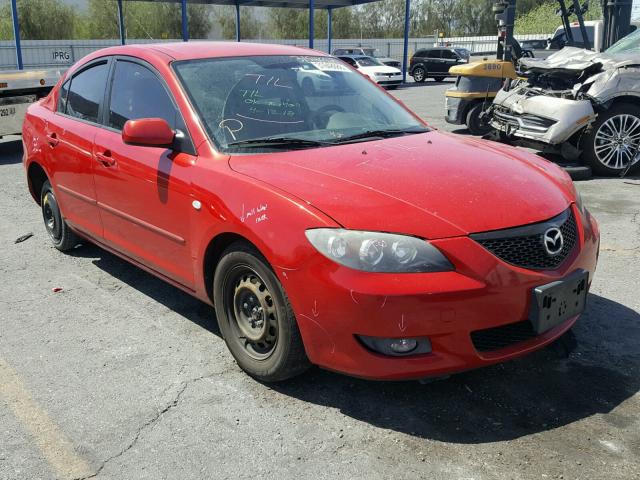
<point x="543" y="18"/>
<point x="145" y="20"/>
<point x="225" y="16"/>
<point x="35" y="20"/>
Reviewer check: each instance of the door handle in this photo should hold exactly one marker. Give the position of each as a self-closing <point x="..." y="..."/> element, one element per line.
<point x="106" y="159"/>
<point x="52" y="140"/>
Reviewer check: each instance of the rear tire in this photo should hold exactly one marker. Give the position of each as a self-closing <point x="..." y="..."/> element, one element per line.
<point x="419" y="74"/>
<point x="61" y="235"/>
<point x="475" y="124"/>
<point x="613" y="140"/>
<point x="255" y="317"/>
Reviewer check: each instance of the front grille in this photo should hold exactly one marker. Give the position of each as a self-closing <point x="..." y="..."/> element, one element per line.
<point x="504" y="336"/>
<point x="529" y="122"/>
<point x="524" y="246"/>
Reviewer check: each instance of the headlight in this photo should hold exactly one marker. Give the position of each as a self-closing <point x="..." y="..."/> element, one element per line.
<point x="378" y="252"/>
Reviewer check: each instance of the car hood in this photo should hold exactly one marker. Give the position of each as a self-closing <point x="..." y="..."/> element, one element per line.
<point x="432" y="185"/>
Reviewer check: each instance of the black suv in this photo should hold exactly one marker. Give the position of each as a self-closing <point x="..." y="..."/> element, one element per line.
<point x="435" y="62"/>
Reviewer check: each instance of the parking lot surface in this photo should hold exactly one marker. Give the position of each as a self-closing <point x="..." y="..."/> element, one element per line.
<point x="119" y="375"/>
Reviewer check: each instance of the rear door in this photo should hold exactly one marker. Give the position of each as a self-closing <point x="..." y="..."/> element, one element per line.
<point x="144" y="193"/>
<point x="70" y="133"/>
<point x="433" y="62"/>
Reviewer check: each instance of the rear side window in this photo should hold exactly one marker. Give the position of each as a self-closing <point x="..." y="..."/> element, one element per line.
<point x="449" y="54"/>
<point x="433" y="53"/>
<point x="86" y="93"/>
<point x="62" y="96"/>
<point x="138" y="93"/>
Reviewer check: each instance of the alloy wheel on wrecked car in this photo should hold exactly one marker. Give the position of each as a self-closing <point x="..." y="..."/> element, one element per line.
<point x="617" y="141"/>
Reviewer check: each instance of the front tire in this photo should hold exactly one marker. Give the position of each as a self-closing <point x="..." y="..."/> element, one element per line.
<point x="477" y="125"/>
<point x="613" y="140"/>
<point x="61" y="235"/>
<point x="419" y="74"/>
<point x="255" y="317"/>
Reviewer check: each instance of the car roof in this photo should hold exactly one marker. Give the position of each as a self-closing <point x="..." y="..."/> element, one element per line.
<point x="197" y="50"/>
<point x="356" y="57"/>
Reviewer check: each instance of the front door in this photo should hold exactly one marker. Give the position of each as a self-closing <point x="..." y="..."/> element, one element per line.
<point x="144" y="193"/>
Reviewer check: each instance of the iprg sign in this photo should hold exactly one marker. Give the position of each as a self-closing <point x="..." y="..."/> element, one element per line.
<point x="61" y="55"/>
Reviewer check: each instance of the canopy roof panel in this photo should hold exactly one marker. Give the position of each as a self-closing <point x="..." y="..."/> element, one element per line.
<point x="318" y="4"/>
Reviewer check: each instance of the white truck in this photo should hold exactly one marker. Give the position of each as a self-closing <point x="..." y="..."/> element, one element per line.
<point x="20" y="88"/>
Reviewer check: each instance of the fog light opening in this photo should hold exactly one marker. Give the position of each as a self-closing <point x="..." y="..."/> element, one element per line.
<point x="396" y="347"/>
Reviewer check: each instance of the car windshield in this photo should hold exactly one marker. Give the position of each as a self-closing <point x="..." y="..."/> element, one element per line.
<point x="279" y="102"/>
<point x="367" y="62"/>
<point x="371" y="52"/>
<point x="626" y="45"/>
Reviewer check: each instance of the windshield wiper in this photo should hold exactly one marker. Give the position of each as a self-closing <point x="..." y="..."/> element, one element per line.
<point x="382" y="133"/>
<point x="287" y="142"/>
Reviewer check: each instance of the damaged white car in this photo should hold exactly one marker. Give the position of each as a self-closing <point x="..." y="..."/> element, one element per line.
<point x="578" y="103"/>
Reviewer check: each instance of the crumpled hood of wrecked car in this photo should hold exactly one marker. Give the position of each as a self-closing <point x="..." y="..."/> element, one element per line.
<point x="578" y="59"/>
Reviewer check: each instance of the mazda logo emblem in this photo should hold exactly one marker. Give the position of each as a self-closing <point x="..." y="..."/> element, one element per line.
<point x="553" y="241"/>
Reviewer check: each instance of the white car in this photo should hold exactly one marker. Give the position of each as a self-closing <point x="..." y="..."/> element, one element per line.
<point x="378" y="72"/>
<point x="313" y="79"/>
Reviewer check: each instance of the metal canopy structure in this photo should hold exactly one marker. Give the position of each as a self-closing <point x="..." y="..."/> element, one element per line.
<point x="311" y="5"/>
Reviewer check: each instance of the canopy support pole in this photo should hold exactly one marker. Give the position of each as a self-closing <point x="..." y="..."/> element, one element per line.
<point x="405" y="48"/>
<point x="311" y="22"/>
<point x="121" y="23"/>
<point x="185" y="22"/>
<point x="237" y="21"/>
<point x="16" y="33"/>
<point x="329" y="28"/>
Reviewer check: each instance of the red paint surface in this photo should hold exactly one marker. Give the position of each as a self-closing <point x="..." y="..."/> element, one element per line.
<point x="437" y="186"/>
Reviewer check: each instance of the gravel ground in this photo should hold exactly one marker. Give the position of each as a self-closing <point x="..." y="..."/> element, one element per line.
<point x="121" y="376"/>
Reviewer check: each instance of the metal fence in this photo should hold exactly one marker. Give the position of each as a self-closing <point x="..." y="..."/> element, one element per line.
<point x="64" y="53"/>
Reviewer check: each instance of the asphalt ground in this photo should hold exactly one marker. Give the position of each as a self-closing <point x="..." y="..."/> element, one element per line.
<point x="121" y="376"/>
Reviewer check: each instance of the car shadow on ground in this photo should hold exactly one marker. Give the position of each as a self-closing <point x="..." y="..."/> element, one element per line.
<point x="10" y="151"/>
<point x="539" y="392"/>
<point x="171" y="297"/>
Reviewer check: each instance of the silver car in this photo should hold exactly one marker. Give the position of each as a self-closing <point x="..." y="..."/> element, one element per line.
<point x="578" y="103"/>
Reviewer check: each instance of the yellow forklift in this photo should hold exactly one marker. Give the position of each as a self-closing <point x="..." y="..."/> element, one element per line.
<point x="476" y="86"/>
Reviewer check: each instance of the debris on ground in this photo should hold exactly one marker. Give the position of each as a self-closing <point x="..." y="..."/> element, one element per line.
<point x="24" y="237"/>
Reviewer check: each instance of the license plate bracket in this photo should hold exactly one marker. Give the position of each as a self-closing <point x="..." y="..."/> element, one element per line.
<point x="556" y="302"/>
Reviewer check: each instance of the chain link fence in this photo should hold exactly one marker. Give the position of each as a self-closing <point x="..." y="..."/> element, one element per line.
<point x="64" y="53"/>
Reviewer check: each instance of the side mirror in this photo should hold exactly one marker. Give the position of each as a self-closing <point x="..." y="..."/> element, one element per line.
<point x="148" y="132"/>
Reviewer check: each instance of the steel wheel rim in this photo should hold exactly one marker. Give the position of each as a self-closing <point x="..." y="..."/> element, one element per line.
<point x="50" y="220"/>
<point x="418" y="74"/>
<point x="252" y="313"/>
<point x="617" y="140"/>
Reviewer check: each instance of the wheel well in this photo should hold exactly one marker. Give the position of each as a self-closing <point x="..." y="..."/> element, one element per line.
<point x="626" y="99"/>
<point x="36" y="177"/>
<point x="212" y="256"/>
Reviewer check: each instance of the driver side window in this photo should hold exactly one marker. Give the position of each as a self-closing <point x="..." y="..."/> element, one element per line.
<point x="137" y="93"/>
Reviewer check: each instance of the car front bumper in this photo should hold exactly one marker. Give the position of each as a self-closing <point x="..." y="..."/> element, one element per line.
<point x="334" y="305"/>
<point x="389" y="80"/>
<point x="546" y="119"/>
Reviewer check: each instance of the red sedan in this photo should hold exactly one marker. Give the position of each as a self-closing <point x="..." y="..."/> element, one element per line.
<point x="327" y="226"/>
